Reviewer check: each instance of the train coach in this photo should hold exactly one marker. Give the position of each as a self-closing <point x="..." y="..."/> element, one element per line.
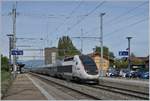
<point x="79" y="68"/>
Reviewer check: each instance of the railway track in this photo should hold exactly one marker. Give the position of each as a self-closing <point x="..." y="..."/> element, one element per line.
<point x="123" y="91"/>
<point x="73" y="92"/>
<point x="97" y="92"/>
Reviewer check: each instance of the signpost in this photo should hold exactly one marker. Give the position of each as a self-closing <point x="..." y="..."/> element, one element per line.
<point x="17" y="52"/>
<point x="123" y="53"/>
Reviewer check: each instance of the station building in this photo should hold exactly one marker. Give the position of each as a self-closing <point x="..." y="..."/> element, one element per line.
<point x="50" y="55"/>
<point x="97" y="58"/>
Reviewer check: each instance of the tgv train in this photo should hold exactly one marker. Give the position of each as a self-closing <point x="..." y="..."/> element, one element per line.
<point x="79" y="68"/>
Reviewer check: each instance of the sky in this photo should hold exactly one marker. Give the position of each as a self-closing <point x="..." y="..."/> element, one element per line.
<point x="53" y="19"/>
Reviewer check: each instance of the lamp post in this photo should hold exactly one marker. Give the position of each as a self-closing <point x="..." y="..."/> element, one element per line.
<point x="14" y="39"/>
<point x="129" y="62"/>
<point x="101" y="42"/>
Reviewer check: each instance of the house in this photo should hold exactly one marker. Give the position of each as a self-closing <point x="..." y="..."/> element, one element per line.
<point x="96" y="57"/>
<point x="140" y="62"/>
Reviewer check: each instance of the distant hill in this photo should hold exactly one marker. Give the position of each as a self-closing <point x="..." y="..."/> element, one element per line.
<point x="33" y="63"/>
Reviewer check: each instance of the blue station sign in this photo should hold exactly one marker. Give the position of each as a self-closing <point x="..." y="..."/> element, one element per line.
<point x="123" y="53"/>
<point x="17" y="52"/>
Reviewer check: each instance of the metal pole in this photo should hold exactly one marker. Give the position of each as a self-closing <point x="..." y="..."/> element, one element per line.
<point x="129" y="62"/>
<point x="81" y="41"/>
<point x="10" y="47"/>
<point x="14" y="39"/>
<point x="101" y="41"/>
<point x="9" y="51"/>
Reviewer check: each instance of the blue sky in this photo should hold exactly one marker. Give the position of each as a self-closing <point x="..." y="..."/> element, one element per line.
<point x="52" y="19"/>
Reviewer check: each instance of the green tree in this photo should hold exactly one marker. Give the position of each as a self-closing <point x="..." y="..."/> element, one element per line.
<point x="111" y="55"/>
<point x="111" y="59"/>
<point x="4" y="63"/>
<point x="105" y="50"/>
<point x="121" y="63"/>
<point x="5" y="75"/>
<point x="66" y="47"/>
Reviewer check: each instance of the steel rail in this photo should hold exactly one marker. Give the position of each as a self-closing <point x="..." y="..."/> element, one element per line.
<point x="140" y="95"/>
<point x="83" y="93"/>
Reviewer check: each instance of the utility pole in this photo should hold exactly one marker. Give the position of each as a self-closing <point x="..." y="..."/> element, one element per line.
<point x="81" y="41"/>
<point x="129" y="62"/>
<point x="10" y="47"/>
<point x="14" y="39"/>
<point x="101" y="42"/>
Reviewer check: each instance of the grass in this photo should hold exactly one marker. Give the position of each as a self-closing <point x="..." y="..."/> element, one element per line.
<point x="5" y="76"/>
<point x="6" y="80"/>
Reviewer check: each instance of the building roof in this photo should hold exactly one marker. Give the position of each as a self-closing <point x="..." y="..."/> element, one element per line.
<point x="97" y="53"/>
<point x="145" y="59"/>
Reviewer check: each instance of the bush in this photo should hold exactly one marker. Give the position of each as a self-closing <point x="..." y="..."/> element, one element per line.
<point x="5" y="75"/>
<point x="4" y="63"/>
<point x="6" y="80"/>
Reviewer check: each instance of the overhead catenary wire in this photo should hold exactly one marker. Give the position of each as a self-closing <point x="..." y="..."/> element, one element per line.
<point x="70" y="15"/>
<point x="66" y="18"/>
<point x="83" y="18"/>
<point x="120" y="16"/>
<point x="124" y="27"/>
<point x="127" y="12"/>
<point x="128" y="18"/>
<point x="126" y="33"/>
<point x="30" y="38"/>
<point x="133" y="24"/>
<point x="107" y="36"/>
<point x="117" y="20"/>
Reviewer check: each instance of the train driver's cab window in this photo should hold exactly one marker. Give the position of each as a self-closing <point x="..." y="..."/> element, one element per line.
<point x="68" y="59"/>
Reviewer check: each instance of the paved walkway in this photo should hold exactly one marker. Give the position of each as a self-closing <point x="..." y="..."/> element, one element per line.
<point x="23" y="88"/>
<point x="144" y="83"/>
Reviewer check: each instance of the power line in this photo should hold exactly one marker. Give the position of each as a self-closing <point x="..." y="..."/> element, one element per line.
<point x="120" y="16"/>
<point x="89" y="13"/>
<point x="128" y="18"/>
<point x="85" y="37"/>
<point x="74" y="10"/>
<point x="127" y="12"/>
<point x="33" y="49"/>
<point x="70" y="15"/>
<point x="40" y="15"/>
<point x="66" y="18"/>
<point x="30" y="38"/>
<point x="124" y="27"/>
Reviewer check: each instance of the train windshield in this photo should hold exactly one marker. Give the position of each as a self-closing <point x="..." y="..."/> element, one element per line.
<point x="89" y="64"/>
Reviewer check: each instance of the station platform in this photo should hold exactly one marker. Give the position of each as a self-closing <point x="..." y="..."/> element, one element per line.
<point x="130" y="84"/>
<point x="135" y="82"/>
<point x="23" y="88"/>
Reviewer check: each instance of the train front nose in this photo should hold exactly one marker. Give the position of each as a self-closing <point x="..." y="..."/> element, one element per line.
<point x="91" y="78"/>
<point x="92" y="72"/>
